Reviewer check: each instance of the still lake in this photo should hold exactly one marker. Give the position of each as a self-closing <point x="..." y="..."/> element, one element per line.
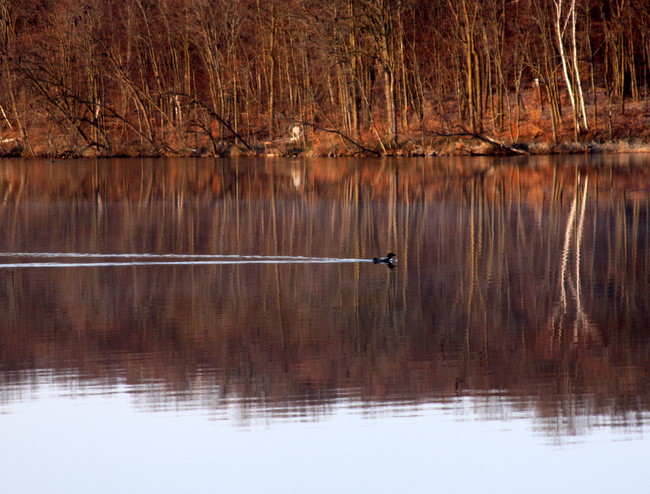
<point x="218" y="325"/>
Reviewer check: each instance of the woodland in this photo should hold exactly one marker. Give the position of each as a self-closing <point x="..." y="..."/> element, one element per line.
<point x="322" y="77"/>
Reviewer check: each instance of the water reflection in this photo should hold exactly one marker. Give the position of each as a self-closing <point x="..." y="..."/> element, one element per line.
<point x="520" y="285"/>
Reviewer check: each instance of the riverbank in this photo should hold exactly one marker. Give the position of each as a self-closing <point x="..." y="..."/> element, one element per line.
<point x="479" y="144"/>
<point x="470" y="145"/>
<point x="530" y="132"/>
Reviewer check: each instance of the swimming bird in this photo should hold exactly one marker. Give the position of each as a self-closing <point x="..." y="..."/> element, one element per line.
<point x="388" y="260"/>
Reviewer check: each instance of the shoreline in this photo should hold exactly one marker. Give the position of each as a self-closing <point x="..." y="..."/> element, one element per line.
<point x="466" y="147"/>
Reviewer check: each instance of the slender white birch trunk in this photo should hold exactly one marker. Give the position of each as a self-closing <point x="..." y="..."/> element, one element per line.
<point x="573" y="84"/>
<point x="576" y="70"/>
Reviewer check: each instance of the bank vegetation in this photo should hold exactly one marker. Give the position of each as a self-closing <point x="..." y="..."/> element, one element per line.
<point x="214" y="77"/>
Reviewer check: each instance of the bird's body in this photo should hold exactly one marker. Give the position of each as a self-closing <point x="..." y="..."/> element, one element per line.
<point x="385" y="260"/>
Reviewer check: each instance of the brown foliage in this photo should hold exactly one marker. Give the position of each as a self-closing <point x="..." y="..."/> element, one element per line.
<point x="138" y="77"/>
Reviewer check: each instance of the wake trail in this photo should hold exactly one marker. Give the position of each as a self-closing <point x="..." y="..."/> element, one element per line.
<point x="150" y="259"/>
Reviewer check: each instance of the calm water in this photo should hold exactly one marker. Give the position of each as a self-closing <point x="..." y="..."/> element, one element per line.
<point x="174" y="325"/>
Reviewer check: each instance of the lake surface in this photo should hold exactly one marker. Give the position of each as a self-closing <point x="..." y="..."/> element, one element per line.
<point x="217" y="325"/>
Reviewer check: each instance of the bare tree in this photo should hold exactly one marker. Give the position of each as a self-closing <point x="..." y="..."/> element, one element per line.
<point x="566" y="19"/>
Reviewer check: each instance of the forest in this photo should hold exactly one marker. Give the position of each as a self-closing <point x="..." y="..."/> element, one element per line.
<point x="322" y="77"/>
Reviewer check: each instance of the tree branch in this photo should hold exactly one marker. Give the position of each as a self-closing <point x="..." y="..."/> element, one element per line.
<point x="337" y="132"/>
<point x="215" y="115"/>
<point x="481" y="137"/>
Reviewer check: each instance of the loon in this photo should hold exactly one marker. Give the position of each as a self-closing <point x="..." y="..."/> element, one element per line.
<point x="385" y="260"/>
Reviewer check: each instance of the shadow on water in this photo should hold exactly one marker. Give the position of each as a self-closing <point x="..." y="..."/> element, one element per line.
<point x="518" y="281"/>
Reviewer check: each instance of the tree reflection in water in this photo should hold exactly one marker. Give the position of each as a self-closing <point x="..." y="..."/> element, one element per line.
<point x="518" y="282"/>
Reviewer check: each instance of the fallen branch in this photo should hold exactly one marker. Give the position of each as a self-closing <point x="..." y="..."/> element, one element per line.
<point x="481" y="137"/>
<point x="216" y="116"/>
<point x="334" y="131"/>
